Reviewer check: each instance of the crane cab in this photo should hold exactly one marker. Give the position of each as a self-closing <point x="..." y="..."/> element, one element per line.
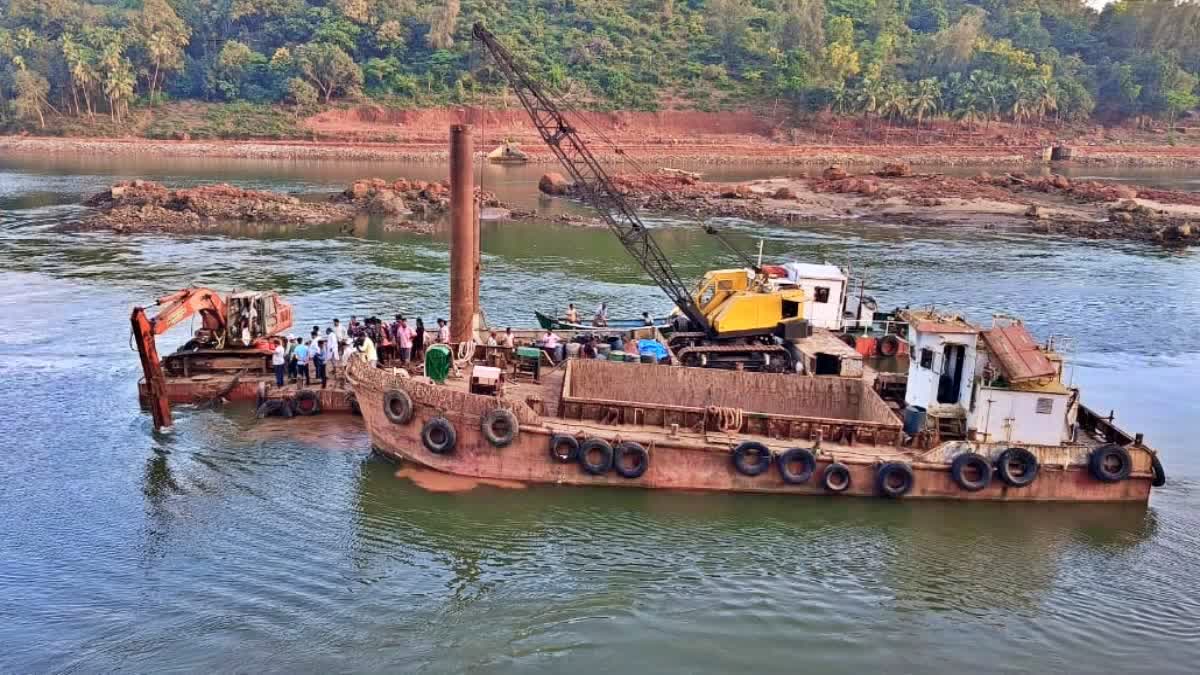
<point x="736" y="303"/>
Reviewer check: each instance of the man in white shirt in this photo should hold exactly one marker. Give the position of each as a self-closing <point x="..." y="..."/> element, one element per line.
<point x="550" y="343"/>
<point x="443" y="334"/>
<point x="331" y="350"/>
<point x="510" y="341"/>
<point x="339" y="331"/>
<point x="278" y="361"/>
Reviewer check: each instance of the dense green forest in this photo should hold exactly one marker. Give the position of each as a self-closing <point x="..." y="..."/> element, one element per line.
<point x="900" y="60"/>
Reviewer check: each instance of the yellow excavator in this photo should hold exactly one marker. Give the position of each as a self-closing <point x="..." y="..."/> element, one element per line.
<point x="734" y="318"/>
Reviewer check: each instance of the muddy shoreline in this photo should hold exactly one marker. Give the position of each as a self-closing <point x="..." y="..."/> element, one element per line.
<point x="705" y="150"/>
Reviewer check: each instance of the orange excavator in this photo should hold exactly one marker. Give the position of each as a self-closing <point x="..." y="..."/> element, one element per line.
<point x="217" y="344"/>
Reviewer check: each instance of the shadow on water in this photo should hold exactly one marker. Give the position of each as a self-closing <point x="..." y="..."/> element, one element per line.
<point x="931" y="555"/>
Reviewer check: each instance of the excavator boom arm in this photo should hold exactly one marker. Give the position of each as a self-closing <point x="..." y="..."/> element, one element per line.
<point x="177" y="307"/>
<point x="592" y="180"/>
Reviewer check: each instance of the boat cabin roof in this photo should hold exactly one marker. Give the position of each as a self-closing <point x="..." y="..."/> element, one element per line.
<point x="1019" y="357"/>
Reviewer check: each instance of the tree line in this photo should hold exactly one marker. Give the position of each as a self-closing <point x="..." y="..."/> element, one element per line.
<point x="910" y="61"/>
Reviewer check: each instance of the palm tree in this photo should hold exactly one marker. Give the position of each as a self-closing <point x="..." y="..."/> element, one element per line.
<point x="986" y="91"/>
<point x="118" y="86"/>
<point x="868" y="97"/>
<point x="161" y="47"/>
<point x="1021" y="107"/>
<point x="926" y="99"/>
<point x="894" y="104"/>
<point x="1045" y="96"/>
<point x="969" y="108"/>
<point x="841" y="98"/>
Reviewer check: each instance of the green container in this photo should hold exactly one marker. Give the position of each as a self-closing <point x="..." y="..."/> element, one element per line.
<point x="529" y="352"/>
<point x="616" y="356"/>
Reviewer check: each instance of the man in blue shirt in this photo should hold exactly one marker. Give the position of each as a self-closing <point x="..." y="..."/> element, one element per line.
<point x="302" y="361"/>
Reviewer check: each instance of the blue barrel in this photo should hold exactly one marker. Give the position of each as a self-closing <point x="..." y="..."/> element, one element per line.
<point x="914" y="419"/>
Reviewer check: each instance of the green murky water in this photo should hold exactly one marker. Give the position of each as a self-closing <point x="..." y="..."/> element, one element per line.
<point x="235" y="545"/>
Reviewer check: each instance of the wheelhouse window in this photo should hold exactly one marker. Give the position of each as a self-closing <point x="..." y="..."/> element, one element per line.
<point x="927" y="359"/>
<point x="1045" y="406"/>
<point x="821" y="294"/>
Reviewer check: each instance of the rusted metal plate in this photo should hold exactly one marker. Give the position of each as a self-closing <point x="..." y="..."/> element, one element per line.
<point x="1018" y="355"/>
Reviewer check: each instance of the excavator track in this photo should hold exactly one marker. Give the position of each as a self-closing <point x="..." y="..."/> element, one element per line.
<point x="762" y="358"/>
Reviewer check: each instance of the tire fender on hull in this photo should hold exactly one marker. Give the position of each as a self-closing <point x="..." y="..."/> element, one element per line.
<point x="1017" y="467"/>
<point x="806" y="461"/>
<point x="1110" y="463"/>
<point x="751" y="458"/>
<point x="969" y="463"/>
<point x="438" y="436"/>
<point x="600" y="466"/>
<point x="500" y="427"/>
<point x="398" y="406"/>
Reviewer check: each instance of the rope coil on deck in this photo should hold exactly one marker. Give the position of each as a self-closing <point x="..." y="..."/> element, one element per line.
<point x="728" y="420"/>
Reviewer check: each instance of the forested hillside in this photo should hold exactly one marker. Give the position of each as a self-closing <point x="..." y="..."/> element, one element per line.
<point x="902" y="60"/>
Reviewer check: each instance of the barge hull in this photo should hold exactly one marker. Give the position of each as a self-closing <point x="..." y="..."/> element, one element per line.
<point x="684" y="460"/>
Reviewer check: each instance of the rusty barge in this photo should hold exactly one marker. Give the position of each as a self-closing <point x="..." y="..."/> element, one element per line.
<point x="599" y="422"/>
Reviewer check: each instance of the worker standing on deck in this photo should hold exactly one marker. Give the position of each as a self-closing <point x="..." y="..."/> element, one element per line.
<point x="419" y="341"/>
<point x="550" y="343"/>
<point x="355" y="329"/>
<point x="510" y="341"/>
<point x="572" y="313"/>
<point x="331" y="350"/>
<point x="279" y="361"/>
<point x="347" y="351"/>
<point x="339" y="331"/>
<point x="367" y="346"/>
<point x="318" y="359"/>
<point x="601" y="318"/>
<point x="290" y="357"/>
<point x="443" y="334"/>
<point x="646" y="320"/>
<point x="302" y="362"/>
<point x="404" y="339"/>
<point x="491" y="341"/>
<point x="246" y="340"/>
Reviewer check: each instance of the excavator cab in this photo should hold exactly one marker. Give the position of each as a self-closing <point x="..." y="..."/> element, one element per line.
<point x="266" y="312"/>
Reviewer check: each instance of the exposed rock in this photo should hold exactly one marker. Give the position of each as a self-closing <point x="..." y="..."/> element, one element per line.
<point x="1060" y="182"/>
<point x="784" y="193"/>
<point x="1035" y="212"/>
<point x="895" y="170"/>
<point x="835" y="172"/>
<point x="146" y="206"/>
<point x="554" y="184"/>
<point x="1125" y="192"/>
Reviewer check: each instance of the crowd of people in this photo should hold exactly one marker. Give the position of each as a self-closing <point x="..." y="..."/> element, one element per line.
<point x="322" y="354"/>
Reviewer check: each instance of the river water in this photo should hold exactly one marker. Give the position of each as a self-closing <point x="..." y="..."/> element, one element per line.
<point x="238" y="545"/>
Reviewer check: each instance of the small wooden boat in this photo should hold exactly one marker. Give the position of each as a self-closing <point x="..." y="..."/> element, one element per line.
<point x="547" y="322"/>
<point x="508" y="153"/>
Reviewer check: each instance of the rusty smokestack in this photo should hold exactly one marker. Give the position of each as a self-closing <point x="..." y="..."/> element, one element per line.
<point x="463" y="284"/>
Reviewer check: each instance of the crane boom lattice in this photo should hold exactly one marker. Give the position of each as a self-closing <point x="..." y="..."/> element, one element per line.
<point x="591" y="179"/>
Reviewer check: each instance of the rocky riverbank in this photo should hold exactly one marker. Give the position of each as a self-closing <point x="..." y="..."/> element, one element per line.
<point x="896" y="193"/>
